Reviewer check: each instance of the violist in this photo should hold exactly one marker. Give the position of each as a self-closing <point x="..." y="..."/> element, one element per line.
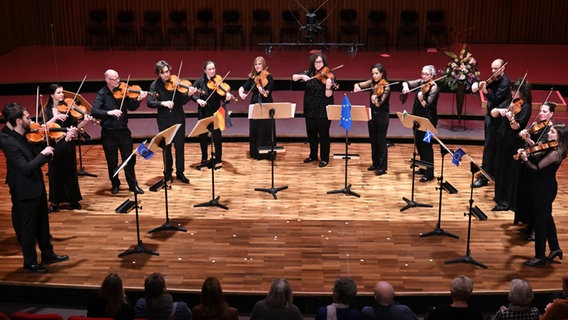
<point x="379" y="122"/>
<point x="260" y="85"/>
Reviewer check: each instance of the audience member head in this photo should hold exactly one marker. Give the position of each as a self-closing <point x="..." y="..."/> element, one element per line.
<point x="212" y="298"/>
<point x="154" y="285"/>
<point x="461" y="288"/>
<point x="520" y="293"/>
<point x="112" y="292"/>
<point x="344" y="290"/>
<point x="384" y="293"/>
<point x="280" y="294"/>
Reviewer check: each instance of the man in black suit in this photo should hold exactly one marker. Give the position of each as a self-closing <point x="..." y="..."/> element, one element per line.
<point x="170" y="112"/>
<point x="27" y="189"/>
<point x="115" y="134"/>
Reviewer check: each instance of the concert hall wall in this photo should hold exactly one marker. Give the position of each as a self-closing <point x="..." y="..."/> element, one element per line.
<point x="28" y="22"/>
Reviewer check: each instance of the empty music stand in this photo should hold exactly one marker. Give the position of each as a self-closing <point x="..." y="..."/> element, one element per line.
<point x="162" y="139"/>
<point x="139" y="247"/>
<point x="272" y="111"/>
<point x="358" y="113"/>
<point x="467" y="258"/>
<point x="415" y="123"/>
<point x="202" y="126"/>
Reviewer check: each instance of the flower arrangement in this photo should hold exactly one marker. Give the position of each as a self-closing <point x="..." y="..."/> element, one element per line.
<point x="462" y="69"/>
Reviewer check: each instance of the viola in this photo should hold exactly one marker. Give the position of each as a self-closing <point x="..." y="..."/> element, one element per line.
<point x="218" y="85"/>
<point x="516" y="105"/>
<point x="539" y="147"/>
<point x="325" y="73"/>
<point x="538" y="126"/>
<point x="379" y="88"/>
<point x="261" y="80"/>
<point x="38" y="131"/>
<point x="75" y="109"/>
<point x="183" y="86"/>
<point x="133" y="91"/>
<point x="426" y="87"/>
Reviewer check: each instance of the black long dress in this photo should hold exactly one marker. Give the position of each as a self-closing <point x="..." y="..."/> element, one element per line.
<point x="378" y="128"/>
<point x="63" y="177"/>
<point x="260" y="130"/>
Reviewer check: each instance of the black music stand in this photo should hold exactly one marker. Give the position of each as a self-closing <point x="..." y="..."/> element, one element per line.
<point x="202" y="126"/>
<point x="82" y="172"/>
<point x="444" y="185"/>
<point x="467" y="258"/>
<point x="272" y="111"/>
<point x="139" y="247"/>
<point x="162" y="139"/>
<point x="422" y="124"/>
<point x="358" y="113"/>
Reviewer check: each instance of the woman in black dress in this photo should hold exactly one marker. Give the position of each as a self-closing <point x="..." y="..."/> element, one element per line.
<point x="260" y="84"/>
<point x="318" y="95"/>
<point x="209" y="102"/>
<point x="379" y="123"/>
<point x="63" y="177"/>
<point x="543" y="192"/>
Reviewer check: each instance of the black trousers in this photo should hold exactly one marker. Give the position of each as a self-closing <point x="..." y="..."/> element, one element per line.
<point x="31" y="224"/>
<point x="490" y="145"/>
<point x="318" y="134"/>
<point x="425" y="151"/>
<point x="217" y="141"/>
<point x="113" y="142"/>
<point x="378" y="127"/>
<point x="179" y="144"/>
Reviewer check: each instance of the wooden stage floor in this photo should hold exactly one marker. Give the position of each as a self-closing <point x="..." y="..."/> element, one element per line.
<point x="306" y="235"/>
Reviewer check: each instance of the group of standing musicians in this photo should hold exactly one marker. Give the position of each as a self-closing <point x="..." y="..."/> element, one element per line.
<point x="508" y="113"/>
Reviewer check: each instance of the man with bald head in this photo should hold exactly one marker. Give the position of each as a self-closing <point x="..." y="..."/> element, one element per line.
<point x="385" y="307"/>
<point x="497" y="90"/>
<point x="115" y="134"/>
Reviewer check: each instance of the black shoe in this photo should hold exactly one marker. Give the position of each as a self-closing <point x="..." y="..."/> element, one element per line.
<point x="380" y="172"/>
<point x="181" y="177"/>
<point x="217" y="161"/>
<point x="372" y="168"/>
<point x="53" y="259"/>
<point x="203" y="161"/>
<point x="137" y="189"/>
<point x="53" y="208"/>
<point x="36" y="268"/>
<point x="114" y="190"/>
<point x="480" y="182"/>
<point x="500" y="207"/>
<point x="535" y="262"/>
<point x="309" y="159"/>
<point x="555" y="253"/>
<point x="322" y="164"/>
<point x="530" y="238"/>
<point x="75" y="206"/>
<point x="426" y="178"/>
<point x="420" y="171"/>
<point x="169" y="177"/>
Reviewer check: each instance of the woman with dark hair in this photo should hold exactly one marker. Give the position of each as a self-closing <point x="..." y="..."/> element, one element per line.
<point x="379" y="123"/>
<point x="260" y="85"/>
<point x="158" y="304"/>
<point x="63" y="177"/>
<point x="278" y="304"/>
<point x="318" y="95"/>
<point x="543" y="192"/>
<point x="213" y="305"/>
<point x="507" y="170"/>
<point x="209" y="102"/>
<point x="110" y="301"/>
<point x="344" y="293"/>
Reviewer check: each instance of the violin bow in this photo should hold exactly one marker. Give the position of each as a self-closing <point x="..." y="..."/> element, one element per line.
<point x="330" y="70"/>
<point x="37" y="102"/>
<point x="177" y="84"/>
<point x="422" y="85"/>
<point x="520" y="85"/>
<point x="124" y="93"/>
<point x="217" y="85"/>
<point x="498" y="70"/>
<point x="76" y="94"/>
<point x="382" y="85"/>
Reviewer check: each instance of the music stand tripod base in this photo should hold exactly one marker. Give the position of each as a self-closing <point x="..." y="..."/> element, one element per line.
<point x="211" y="203"/>
<point x="167" y="226"/>
<point x="413" y="204"/>
<point x="467" y="259"/>
<point x="345" y="190"/>
<point x="272" y="190"/>
<point x="439" y="232"/>
<point x="139" y="248"/>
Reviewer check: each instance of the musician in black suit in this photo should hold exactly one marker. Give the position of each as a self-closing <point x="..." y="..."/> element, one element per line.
<point x="27" y="190"/>
<point x="170" y="112"/>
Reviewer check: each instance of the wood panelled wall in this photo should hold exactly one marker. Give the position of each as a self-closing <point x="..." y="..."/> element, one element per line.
<point x="29" y="22"/>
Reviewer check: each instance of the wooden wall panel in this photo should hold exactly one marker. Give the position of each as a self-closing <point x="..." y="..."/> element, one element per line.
<point x="28" y="22"/>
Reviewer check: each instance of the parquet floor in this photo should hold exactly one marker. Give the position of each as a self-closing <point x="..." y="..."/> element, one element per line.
<point x="306" y="235"/>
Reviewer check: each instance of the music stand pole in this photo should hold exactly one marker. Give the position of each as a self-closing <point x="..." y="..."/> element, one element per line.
<point x="467" y="258"/>
<point x="347" y="187"/>
<point x="211" y="164"/>
<point x="438" y="231"/>
<point x="410" y="203"/>
<point x="82" y="171"/>
<point x="272" y="190"/>
<point x="139" y="247"/>
<point x="167" y="225"/>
